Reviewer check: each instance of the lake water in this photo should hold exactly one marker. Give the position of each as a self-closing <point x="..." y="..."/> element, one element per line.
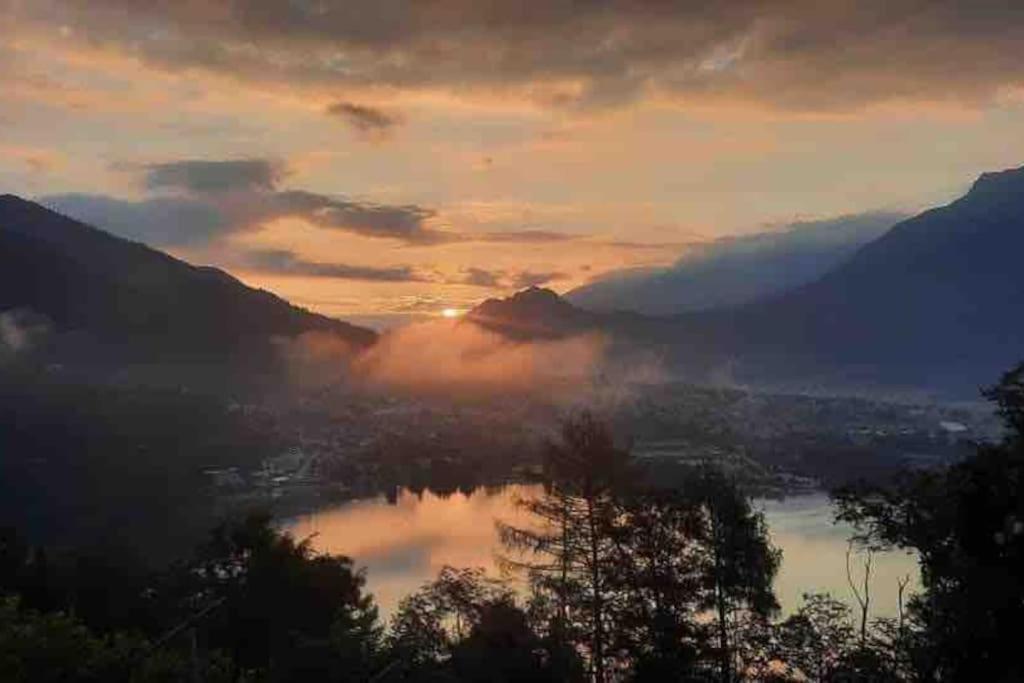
<point x="405" y="544"/>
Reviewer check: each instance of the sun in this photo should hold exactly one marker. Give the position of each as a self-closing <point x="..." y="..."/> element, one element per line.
<point x="451" y="313"/>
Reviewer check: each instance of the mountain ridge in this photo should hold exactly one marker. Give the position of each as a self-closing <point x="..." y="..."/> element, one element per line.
<point x="934" y="303"/>
<point x="117" y="296"/>
<point x="733" y="271"/>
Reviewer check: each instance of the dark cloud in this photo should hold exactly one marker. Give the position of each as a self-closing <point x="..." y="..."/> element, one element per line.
<point x="368" y="121"/>
<point x="406" y="222"/>
<point x="809" y="54"/>
<point x="284" y="262"/>
<point x="199" y="177"/>
<point x="480" y="277"/>
<point x="212" y="199"/>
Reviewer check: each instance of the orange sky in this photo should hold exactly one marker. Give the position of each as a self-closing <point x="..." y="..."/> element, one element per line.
<point x="479" y="147"/>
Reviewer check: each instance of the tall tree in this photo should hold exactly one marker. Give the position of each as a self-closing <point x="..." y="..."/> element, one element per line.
<point x="569" y="549"/>
<point x="739" y="562"/>
<point x="656" y="575"/>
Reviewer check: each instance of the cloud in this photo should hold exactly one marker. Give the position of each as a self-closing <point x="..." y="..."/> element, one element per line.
<point x="199" y="201"/>
<point x="735" y="270"/>
<point x="528" y="279"/>
<point x="161" y="222"/>
<point x="803" y="54"/>
<point x="503" y="279"/>
<point x="370" y="122"/>
<point x="480" y="277"/>
<point x="406" y="222"/>
<point x="284" y="262"/>
<point x="200" y="177"/>
<point x="522" y="236"/>
<point x="445" y="357"/>
<point x="208" y="200"/>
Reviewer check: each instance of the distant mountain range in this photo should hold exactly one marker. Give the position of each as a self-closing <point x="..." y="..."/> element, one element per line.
<point x="113" y="299"/>
<point x="736" y="270"/>
<point x="936" y="302"/>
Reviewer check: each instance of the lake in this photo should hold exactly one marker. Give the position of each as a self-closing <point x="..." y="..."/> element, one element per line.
<point x="405" y="544"/>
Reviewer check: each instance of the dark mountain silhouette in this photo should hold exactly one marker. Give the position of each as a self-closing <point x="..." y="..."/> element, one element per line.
<point x="113" y="299"/>
<point x="936" y="300"/>
<point x="533" y="313"/>
<point x="736" y="270"/>
<point x="934" y="303"/>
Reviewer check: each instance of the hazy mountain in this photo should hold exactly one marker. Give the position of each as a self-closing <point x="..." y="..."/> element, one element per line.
<point x="112" y="298"/>
<point x="736" y="270"/>
<point x="937" y="299"/>
<point x="934" y="303"/>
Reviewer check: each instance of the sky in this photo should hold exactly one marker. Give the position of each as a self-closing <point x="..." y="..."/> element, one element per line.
<point x="406" y="156"/>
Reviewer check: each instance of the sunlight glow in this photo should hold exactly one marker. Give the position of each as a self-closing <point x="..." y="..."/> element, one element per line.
<point x="451" y="313"/>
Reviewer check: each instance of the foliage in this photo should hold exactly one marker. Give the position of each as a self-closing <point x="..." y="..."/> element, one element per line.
<point x="464" y="626"/>
<point x="631" y="574"/>
<point x="40" y="647"/>
<point x="967" y="525"/>
<point x="287" y="611"/>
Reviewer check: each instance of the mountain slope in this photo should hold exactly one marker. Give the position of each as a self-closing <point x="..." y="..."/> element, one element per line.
<point x="123" y="300"/>
<point x="934" y="303"/>
<point x="533" y="313"/>
<point x="736" y="270"/>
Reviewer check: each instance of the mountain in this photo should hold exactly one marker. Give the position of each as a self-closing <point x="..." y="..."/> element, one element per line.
<point x="937" y="299"/>
<point x="533" y="313"/>
<point x="118" y="300"/>
<point x="934" y="303"/>
<point x="736" y="270"/>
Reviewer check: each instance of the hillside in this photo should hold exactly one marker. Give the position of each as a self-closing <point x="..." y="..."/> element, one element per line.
<point x="116" y="300"/>
<point x="934" y="303"/>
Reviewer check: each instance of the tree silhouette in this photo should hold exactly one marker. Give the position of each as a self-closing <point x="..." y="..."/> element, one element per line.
<point x="571" y="548"/>
<point x="738" y="561"/>
<point x="288" y="612"/>
<point x="966" y="524"/>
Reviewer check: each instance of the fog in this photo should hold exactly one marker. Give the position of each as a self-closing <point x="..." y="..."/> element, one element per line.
<point x="446" y="355"/>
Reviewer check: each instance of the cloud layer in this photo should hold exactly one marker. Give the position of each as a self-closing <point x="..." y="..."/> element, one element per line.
<point x="805" y="54"/>
<point x="736" y="270"/>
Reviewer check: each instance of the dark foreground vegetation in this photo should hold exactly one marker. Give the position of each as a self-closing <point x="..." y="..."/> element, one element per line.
<point x="625" y="581"/>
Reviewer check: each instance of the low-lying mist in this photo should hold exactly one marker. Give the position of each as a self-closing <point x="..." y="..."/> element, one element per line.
<point x="461" y="360"/>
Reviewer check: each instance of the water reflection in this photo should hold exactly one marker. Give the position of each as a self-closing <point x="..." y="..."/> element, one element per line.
<point x="405" y="543"/>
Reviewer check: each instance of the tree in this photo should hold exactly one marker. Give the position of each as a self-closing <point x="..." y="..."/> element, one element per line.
<point x="570" y="550"/>
<point x="630" y="571"/>
<point x="738" y="562"/>
<point x="431" y="621"/>
<point x="464" y="626"/>
<point x="37" y="647"/>
<point x="656" y="575"/>
<point x="288" y="612"/>
<point x="966" y="524"/>
<point x="502" y="647"/>
<point x="816" y="639"/>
